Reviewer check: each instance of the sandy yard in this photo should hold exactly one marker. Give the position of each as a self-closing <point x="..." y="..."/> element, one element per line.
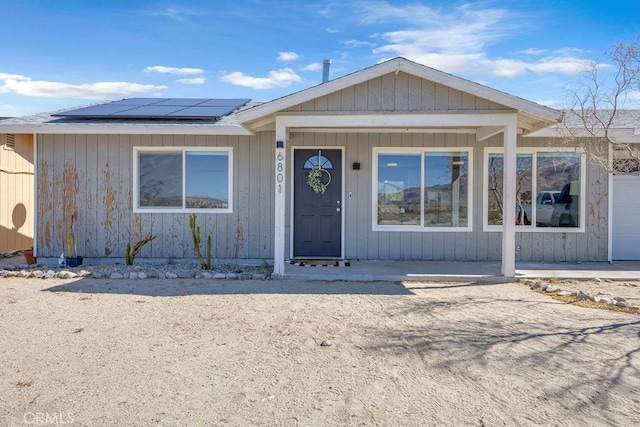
<point x="188" y="352"/>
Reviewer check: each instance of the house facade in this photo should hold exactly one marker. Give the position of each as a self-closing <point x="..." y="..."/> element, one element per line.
<point x="16" y="192"/>
<point x="394" y="162"/>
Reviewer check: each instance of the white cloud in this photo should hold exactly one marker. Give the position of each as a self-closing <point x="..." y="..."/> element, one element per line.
<point x="176" y="14"/>
<point x="278" y="78"/>
<point x="287" y="56"/>
<point x="534" y="51"/>
<point x="174" y="70"/>
<point x="357" y="43"/>
<point x="4" y="76"/>
<point x="458" y="40"/>
<point x="314" y="66"/>
<point x="194" y="81"/>
<point x="332" y="30"/>
<point x="98" y="90"/>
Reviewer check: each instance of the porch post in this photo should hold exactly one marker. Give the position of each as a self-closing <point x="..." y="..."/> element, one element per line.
<point x="280" y="182"/>
<point x="509" y="199"/>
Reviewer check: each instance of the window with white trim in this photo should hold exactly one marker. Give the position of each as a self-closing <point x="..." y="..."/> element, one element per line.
<point x="190" y="179"/>
<point x="421" y="189"/>
<point x="549" y="189"/>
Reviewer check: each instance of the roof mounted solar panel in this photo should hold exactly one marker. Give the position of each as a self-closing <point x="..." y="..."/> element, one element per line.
<point x="96" y="110"/>
<point x="159" y="108"/>
<point x="232" y="102"/>
<point x="198" y="111"/>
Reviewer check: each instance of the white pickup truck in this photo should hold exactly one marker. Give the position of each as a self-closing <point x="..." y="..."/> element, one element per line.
<point x="544" y="209"/>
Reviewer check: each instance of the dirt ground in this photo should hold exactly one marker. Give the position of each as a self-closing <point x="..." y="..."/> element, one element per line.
<point x="188" y="352"/>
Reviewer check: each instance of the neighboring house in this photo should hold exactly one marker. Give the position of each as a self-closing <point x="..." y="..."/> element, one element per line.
<point x="16" y="192"/>
<point x="411" y="165"/>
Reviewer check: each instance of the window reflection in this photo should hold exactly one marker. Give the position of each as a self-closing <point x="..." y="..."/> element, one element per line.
<point x="160" y="180"/>
<point x="446" y="188"/>
<point x="557" y="189"/>
<point x="207" y="180"/>
<point x="399" y="189"/>
<point x="560" y="173"/>
<point x="524" y="174"/>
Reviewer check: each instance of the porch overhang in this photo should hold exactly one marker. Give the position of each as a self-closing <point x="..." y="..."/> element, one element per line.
<point x="483" y="123"/>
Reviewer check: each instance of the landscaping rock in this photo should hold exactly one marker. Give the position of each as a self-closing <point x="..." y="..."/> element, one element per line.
<point x="582" y="295"/>
<point x="259" y="276"/>
<point x="565" y="293"/>
<point x="207" y="275"/>
<point x="37" y="274"/>
<point x="171" y="275"/>
<point x="49" y="274"/>
<point x="231" y="276"/>
<point x="133" y="275"/>
<point x="184" y="275"/>
<point x="116" y="276"/>
<point x="142" y="275"/>
<point x="219" y="276"/>
<point x="67" y="275"/>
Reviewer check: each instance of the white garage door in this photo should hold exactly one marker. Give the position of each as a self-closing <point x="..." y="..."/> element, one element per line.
<point x="626" y="217"/>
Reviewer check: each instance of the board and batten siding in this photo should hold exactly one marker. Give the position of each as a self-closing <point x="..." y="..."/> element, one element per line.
<point x="16" y="192"/>
<point x="361" y="242"/>
<point x="90" y="177"/>
<point x="400" y="92"/>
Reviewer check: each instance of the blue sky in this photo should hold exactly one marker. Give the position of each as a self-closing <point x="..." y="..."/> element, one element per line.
<point x="72" y="52"/>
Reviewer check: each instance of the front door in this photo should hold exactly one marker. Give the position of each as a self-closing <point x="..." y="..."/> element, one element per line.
<point x="317" y="210"/>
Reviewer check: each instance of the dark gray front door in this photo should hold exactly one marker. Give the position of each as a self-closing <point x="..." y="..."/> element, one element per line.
<point x="317" y="217"/>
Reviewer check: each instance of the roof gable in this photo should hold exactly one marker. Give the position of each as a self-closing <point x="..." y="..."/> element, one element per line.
<point x="397" y="65"/>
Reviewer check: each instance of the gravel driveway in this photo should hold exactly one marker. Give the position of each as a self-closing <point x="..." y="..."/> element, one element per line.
<point x="187" y="352"/>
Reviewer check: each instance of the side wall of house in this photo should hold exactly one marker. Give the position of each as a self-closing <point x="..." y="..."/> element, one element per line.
<point x="90" y="177"/>
<point x="477" y="245"/>
<point x="16" y="192"/>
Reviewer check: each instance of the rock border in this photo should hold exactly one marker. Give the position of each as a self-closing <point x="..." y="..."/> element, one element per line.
<point x="138" y="272"/>
<point x="617" y="301"/>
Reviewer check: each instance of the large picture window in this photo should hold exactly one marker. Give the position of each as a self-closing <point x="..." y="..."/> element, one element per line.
<point x="420" y="190"/>
<point x="182" y="179"/>
<point x="549" y="188"/>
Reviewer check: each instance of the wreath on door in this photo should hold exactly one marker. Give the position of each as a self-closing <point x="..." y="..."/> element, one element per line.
<point x="314" y="179"/>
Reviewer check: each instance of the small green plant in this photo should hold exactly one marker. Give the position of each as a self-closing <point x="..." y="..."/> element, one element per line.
<point x="131" y="253"/>
<point x="195" y="235"/>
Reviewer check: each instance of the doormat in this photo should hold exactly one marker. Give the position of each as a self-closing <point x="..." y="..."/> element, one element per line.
<point x="319" y="262"/>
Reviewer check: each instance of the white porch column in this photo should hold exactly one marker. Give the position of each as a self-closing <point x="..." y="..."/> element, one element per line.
<point x="280" y="182"/>
<point x="509" y="199"/>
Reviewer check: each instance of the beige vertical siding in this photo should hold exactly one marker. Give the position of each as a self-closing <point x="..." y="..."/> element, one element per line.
<point x="397" y="92"/>
<point x="100" y="167"/>
<point x="364" y="243"/>
<point x="91" y="177"/>
<point x="403" y="92"/>
<point x="16" y="193"/>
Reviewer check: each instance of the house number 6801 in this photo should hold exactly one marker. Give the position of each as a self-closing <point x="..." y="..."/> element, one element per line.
<point x="279" y="168"/>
